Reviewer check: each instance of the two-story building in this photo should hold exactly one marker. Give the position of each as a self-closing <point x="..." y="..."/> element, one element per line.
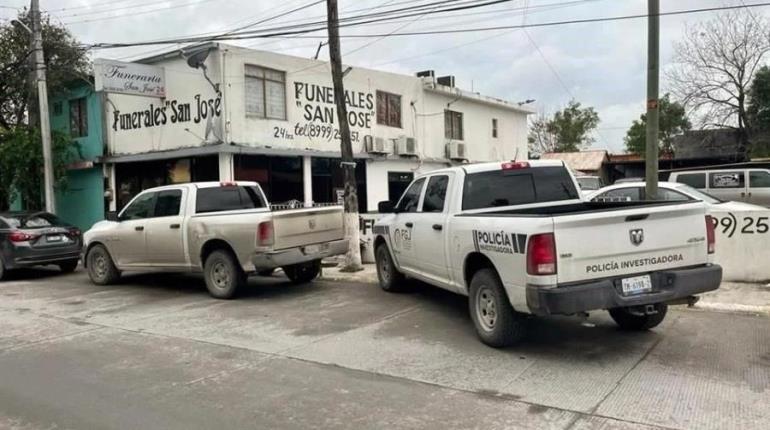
<point x="271" y="118"/>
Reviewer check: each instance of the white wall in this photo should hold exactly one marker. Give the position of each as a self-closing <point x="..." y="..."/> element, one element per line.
<point x="742" y="241"/>
<point x="171" y="125"/>
<point x="377" y="176"/>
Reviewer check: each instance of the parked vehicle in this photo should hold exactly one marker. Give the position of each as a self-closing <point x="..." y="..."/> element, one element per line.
<point x="745" y="185"/>
<point x="517" y="239"/>
<point x="589" y="183"/>
<point x="225" y="230"/>
<point x="36" y="239"/>
<point x="667" y="191"/>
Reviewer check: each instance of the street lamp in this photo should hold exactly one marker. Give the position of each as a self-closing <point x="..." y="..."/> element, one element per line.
<point x="21" y="25"/>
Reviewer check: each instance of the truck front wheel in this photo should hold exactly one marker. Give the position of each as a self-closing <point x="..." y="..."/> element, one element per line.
<point x="390" y="278"/>
<point x="497" y="324"/>
<point x="304" y="272"/>
<point x="637" y="320"/>
<point x="101" y="269"/>
<point x="224" y="277"/>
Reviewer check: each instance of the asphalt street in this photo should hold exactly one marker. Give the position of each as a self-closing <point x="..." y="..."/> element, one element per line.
<point x="157" y="352"/>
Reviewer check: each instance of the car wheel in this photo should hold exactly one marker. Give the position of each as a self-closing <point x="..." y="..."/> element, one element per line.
<point x="303" y="272"/>
<point x="224" y="277"/>
<point x="497" y="324"/>
<point x="630" y="321"/>
<point x="101" y="269"/>
<point x="68" y="266"/>
<point x="391" y="280"/>
<point x="266" y="272"/>
<point x="2" y="269"/>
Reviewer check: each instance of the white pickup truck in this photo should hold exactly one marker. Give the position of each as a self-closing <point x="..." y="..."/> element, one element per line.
<point x="517" y="238"/>
<point x="226" y="230"/>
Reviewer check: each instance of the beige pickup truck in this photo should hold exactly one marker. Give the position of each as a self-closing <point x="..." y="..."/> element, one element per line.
<point x="225" y="230"/>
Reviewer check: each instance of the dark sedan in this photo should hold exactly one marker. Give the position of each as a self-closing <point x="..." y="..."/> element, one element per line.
<point x="36" y="239"/>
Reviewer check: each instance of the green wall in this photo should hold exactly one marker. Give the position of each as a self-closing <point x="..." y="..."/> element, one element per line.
<point x="82" y="204"/>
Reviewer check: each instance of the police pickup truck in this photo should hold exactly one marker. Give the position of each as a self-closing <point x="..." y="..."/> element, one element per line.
<point x="517" y="239"/>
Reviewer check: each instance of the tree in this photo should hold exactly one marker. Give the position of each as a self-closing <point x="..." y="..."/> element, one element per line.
<point x="21" y="156"/>
<point x="65" y="60"/>
<point x="21" y="164"/>
<point x="672" y="122"/>
<point x="714" y="66"/>
<point x="568" y="131"/>
<point x="758" y="113"/>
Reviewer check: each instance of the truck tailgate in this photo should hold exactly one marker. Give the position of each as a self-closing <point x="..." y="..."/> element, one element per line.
<point x="299" y="227"/>
<point x="630" y="241"/>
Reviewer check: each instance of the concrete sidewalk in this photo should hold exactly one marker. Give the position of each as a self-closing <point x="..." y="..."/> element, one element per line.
<point x="730" y="297"/>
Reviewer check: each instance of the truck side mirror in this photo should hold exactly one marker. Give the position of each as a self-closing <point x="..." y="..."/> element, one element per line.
<point x="385" y="207"/>
<point x="112" y="216"/>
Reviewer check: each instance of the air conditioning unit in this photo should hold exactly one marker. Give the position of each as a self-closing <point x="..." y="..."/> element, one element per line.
<point x="456" y="151"/>
<point x="375" y="145"/>
<point x="406" y="146"/>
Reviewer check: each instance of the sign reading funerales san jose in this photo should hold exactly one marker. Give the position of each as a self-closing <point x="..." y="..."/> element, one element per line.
<point x="129" y="78"/>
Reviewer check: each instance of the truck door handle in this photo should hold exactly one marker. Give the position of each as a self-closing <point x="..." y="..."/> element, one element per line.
<point x="409" y="224"/>
<point x="139" y="228"/>
<point x="174" y="226"/>
<point x="438" y="227"/>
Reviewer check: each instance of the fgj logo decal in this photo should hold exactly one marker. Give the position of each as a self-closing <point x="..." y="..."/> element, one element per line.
<point x="499" y="241"/>
<point x="402" y="239"/>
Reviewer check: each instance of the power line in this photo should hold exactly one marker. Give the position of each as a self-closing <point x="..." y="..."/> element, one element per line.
<point x="301" y="32"/>
<point x="302" y="28"/>
<point x="99" y="11"/>
<point x="144" y="12"/>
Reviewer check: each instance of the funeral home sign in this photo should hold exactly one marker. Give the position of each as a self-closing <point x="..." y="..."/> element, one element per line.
<point x="129" y="78"/>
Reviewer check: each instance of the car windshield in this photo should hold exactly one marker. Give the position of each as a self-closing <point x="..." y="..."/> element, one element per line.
<point x="700" y="195"/>
<point x="33" y="220"/>
<point x="589" y="183"/>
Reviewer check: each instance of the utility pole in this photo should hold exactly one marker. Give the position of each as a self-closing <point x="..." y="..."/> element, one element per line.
<point x="651" y="150"/>
<point x="353" y="256"/>
<point x="42" y="94"/>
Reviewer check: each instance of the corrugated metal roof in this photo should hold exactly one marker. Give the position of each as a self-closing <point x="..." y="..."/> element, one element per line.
<point x="581" y="161"/>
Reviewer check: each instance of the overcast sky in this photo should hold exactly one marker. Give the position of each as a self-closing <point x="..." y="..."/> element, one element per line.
<point x="600" y="64"/>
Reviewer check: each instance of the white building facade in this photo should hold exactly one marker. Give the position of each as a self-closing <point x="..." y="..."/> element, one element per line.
<point x="272" y="118"/>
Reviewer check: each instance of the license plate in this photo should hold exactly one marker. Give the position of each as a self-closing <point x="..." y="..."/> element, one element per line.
<point x="312" y="249"/>
<point x="636" y="285"/>
<point x="54" y="238"/>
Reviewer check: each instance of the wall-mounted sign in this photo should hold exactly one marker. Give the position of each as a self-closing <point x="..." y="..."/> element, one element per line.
<point x="129" y="78"/>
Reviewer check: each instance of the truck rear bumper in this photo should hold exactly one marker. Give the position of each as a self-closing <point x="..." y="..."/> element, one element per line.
<point x="667" y="285"/>
<point x="301" y="254"/>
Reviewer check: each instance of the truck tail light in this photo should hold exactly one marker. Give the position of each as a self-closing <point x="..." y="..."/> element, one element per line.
<point x="265" y="234"/>
<point x="710" y="234"/>
<point x="514" y="165"/>
<point x="74" y="232"/>
<point x="541" y="254"/>
<point x="228" y="184"/>
<point x="20" y="236"/>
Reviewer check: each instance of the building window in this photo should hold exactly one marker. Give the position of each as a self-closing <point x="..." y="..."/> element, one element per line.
<point x="494" y="128"/>
<point x="78" y="117"/>
<point x="388" y="109"/>
<point x="265" y="92"/>
<point x="453" y="125"/>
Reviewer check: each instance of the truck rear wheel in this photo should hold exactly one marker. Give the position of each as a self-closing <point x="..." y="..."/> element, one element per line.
<point x="391" y="280"/>
<point x="68" y="266"/>
<point x="224" y="277"/>
<point x="627" y="320"/>
<point x="304" y="272"/>
<point x="101" y="269"/>
<point x="497" y="324"/>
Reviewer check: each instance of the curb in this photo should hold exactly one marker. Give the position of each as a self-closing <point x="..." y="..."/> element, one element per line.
<point x="733" y="308"/>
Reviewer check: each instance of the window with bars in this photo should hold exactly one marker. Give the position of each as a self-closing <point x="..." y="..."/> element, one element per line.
<point x="265" y="92"/>
<point x="78" y="117"/>
<point x="388" y="109"/>
<point x="494" y="128"/>
<point x="453" y="125"/>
